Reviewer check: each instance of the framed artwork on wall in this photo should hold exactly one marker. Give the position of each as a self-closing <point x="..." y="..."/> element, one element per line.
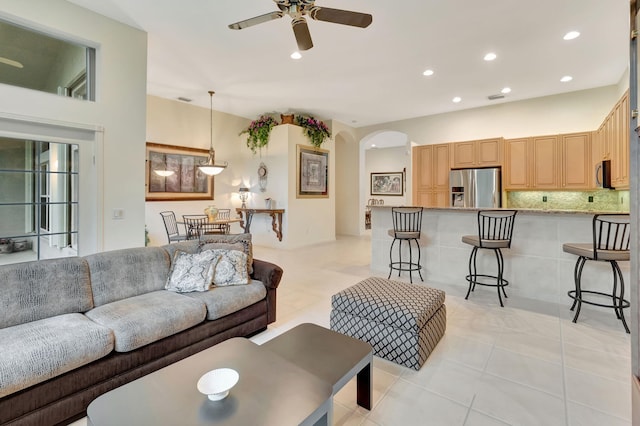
<point x="313" y="172"/>
<point x="172" y="174"/>
<point x="387" y="183"/>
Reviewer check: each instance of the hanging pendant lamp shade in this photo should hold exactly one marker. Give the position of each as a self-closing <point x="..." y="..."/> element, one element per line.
<point x="210" y="167"/>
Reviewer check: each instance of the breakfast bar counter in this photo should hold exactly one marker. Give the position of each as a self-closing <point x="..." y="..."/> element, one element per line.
<point x="535" y="266"/>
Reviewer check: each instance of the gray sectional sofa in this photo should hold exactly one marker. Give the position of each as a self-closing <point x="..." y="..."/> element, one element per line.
<point x="72" y="329"/>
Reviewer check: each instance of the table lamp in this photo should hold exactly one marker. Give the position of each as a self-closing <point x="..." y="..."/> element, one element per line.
<point x="244" y="194"/>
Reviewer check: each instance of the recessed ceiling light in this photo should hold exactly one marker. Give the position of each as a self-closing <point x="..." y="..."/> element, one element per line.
<point x="428" y="72"/>
<point x="296" y="55"/>
<point x="566" y="78"/>
<point x="490" y="56"/>
<point x="506" y="90"/>
<point x="571" y="35"/>
<point x="457" y="99"/>
<point x="373" y="145"/>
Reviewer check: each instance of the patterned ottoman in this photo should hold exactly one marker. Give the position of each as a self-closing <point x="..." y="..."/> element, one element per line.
<point x="403" y="322"/>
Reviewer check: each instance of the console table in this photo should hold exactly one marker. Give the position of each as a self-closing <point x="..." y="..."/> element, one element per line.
<point x="276" y="219"/>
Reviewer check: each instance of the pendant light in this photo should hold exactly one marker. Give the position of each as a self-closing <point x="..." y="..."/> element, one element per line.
<point x="210" y="167"/>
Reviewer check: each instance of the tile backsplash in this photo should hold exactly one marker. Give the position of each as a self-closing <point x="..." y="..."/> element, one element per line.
<point x="602" y="200"/>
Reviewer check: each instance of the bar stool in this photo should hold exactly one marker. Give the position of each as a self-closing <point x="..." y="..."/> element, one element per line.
<point x="495" y="228"/>
<point x="407" y="225"/>
<point x="611" y="235"/>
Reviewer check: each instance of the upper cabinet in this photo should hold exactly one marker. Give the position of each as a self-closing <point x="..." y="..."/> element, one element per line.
<point x="611" y="142"/>
<point x="531" y="163"/>
<point x="431" y="175"/>
<point x="576" y="168"/>
<point x="480" y="153"/>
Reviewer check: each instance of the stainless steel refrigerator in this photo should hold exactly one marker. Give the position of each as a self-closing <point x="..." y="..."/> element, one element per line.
<point x="475" y="188"/>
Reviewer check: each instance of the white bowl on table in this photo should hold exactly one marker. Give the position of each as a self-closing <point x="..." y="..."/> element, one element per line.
<point x="217" y="383"/>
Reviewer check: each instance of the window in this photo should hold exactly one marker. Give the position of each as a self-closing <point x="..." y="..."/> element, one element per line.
<point x="38" y="200"/>
<point x="34" y="60"/>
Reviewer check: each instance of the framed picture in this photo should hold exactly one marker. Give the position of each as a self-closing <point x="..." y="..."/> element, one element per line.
<point x="313" y="172"/>
<point x="172" y="174"/>
<point x="387" y="183"/>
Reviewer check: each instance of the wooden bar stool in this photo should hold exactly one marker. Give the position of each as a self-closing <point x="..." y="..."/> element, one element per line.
<point x="611" y="235"/>
<point x="495" y="228"/>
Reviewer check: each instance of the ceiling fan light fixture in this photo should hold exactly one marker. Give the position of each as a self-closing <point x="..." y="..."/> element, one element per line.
<point x="566" y="79"/>
<point x="210" y="168"/>
<point x="456" y="100"/>
<point x="427" y="73"/>
<point x="296" y="55"/>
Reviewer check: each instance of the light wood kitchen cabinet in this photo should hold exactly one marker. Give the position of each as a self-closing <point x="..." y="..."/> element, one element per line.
<point x="611" y="142"/>
<point x="431" y="175"/>
<point x="479" y="153"/>
<point x="575" y="161"/>
<point x="531" y="163"/>
<point x="620" y="144"/>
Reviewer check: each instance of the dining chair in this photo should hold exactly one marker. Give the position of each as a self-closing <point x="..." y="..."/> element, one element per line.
<point x="171" y="226"/>
<point x="196" y="225"/>
<point x="223" y="214"/>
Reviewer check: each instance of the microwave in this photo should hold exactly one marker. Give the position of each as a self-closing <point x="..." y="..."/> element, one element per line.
<point x="603" y="174"/>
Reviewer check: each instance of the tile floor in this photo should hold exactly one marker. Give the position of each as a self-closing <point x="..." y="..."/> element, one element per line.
<point x="525" y="364"/>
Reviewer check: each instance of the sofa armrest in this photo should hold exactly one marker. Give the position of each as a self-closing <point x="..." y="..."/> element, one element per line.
<point x="269" y="273"/>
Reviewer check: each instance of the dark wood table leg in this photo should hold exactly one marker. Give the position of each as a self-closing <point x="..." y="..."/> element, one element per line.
<point x="249" y="214"/>
<point x="364" y="387"/>
<point x="276" y="226"/>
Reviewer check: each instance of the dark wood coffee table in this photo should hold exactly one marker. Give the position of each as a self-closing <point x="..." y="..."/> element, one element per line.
<point x="331" y="356"/>
<point x="271" y="391"/>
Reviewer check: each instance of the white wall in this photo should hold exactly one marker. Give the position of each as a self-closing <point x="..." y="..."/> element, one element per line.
<point x="119" y="109"/>
<point x="178" y="123"/>
<point x="387" y="160"/>
<point x="572" y="112"/>
<point x="347" y="183"/>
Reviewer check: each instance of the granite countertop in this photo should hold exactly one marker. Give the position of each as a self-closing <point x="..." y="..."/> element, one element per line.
<point x="526" y="211"/>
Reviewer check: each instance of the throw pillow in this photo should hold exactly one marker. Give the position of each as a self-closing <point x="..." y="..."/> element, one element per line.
<point x="231" y="268"/>
<point x="244" y="239"/>
<point x="192" y="271"/>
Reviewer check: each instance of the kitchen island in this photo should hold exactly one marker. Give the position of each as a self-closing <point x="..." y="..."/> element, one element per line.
<point x="535" y="266"/>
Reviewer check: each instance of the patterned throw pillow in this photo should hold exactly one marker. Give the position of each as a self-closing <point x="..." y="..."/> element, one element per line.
<point x="231" y="268"/>
<point x="192" y="271"/>
<point x="223" y="240"/>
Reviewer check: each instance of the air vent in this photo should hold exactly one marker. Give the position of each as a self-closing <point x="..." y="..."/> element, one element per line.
<point x="494" y="97"/>
<point x="183" y="99"/>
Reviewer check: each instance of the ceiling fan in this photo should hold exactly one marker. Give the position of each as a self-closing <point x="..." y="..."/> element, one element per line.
<point x="298" y="9"/>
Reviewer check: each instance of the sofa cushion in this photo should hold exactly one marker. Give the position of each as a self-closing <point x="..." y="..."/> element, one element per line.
<point x="119" y="274"/>
<point x="35" y="290"/>
<point x="223" y="301"/>
<point x="39" y="350"/>
<point x="245" y="239"/>
<point x="231" y="268"/>
<point x="216" y="241"/>
<point x="140" y="320"/>
<point x="192" y="271"/>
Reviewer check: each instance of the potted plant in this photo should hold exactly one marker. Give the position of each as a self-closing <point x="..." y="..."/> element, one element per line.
<point x="259" y="131"/>
<point x="315" y="130"/>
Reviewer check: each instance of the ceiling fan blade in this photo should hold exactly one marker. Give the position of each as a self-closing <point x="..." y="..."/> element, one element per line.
<point x="339" y="16"/>
<point x="301" y="31"/>
<point x="256" y="20"/>
<point x="10" y="62"/>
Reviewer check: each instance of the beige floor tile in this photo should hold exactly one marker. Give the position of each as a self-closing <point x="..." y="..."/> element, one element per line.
<point x="517" y="404"/>
<point x="580" y="415"/>
<point x="605" y="395"/>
